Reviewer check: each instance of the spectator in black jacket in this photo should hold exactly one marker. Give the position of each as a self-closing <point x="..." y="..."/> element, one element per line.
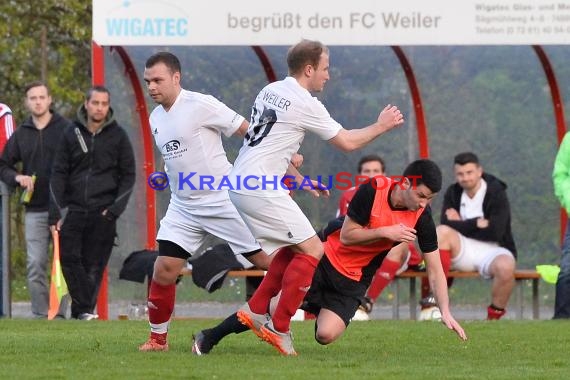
<point x="94" y="175"/>
<point x="34" y="145"/>
<point x="475" y="229"/>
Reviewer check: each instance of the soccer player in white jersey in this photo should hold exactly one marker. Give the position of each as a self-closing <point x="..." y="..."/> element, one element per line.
<point x="282" y="113"/>
<point x="187" y="128"/>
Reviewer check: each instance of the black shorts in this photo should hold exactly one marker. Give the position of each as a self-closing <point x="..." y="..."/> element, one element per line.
<point x="333" y="291"/>
<point x="171" y="249"/>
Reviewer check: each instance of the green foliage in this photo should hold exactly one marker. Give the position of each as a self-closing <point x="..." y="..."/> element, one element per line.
<point x="47" y="40"/>
<point x="371" y="350"/>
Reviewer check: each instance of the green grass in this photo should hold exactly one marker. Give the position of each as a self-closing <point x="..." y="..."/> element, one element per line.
<point x="369" y="350"/>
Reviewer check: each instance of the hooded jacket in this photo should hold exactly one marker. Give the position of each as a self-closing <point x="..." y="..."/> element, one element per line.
<point x="92" y="171"/>
<point x="561" y="173"/>
<point x="35" y="149"/>
<point x="496" y="209"/>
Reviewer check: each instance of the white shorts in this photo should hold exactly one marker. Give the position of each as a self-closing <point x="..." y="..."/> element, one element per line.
<point x="192" y="227"/>
<point x="274" y="221"/>
<point x="477" y="255"/>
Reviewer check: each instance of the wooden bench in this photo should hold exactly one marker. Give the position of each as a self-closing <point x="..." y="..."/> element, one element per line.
<point x="232" y="273"/>
<point x="521" y="276"/>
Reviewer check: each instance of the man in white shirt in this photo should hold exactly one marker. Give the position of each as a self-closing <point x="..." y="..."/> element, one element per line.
<point x="475" y="231"/>
<point x="281" y="115"/>
<point x="187" y="128"/>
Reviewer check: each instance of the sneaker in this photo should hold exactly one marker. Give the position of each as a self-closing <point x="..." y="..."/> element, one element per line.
<point x="360" y="315"/>
<point x="152" y="345"/>
<point x="87" y="316"/>
<point x="368" y="305"/>
<point x="283" y="342"/>
<point x="200" y="344"/>
<point x="252" y="320"/>
<point x="430" y="314"/>
<point x="428" y="302"/>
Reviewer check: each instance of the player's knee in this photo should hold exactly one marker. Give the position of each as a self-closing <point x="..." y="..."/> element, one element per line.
<point x="504" y="267"/>
<point x="324" y="338"/>
<point x="165" y="273"/>
<point x="312" y="247"/>
<point x="260" y="259"/>
<point x="444" y="232"/>
<point x="399" y="253"/>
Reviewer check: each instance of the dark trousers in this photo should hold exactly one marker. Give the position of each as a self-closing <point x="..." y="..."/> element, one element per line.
<point x="562" y="300"/>
<point x="86" y="242"/>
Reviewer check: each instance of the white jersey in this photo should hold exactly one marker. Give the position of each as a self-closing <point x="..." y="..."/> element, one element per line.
<point x="189" y="139"/>
<point x="281" y="115"/>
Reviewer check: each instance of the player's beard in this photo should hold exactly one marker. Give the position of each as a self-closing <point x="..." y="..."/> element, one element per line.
<point x="97" y="119"/>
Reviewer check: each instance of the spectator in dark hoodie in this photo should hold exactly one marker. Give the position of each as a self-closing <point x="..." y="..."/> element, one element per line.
<point x="34" y="144"/>
<point x="475" y="231"/>
<point x="93" y="174"/>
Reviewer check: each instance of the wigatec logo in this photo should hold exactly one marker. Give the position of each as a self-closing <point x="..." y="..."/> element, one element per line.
<point x="143" y="18"/>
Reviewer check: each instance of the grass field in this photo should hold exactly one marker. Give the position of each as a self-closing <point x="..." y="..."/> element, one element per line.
<point x="32" y="349"/>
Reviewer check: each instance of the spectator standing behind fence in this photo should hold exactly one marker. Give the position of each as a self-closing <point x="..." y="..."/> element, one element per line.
<point x="475" y="231"/>
<point x="34" y="145"/>
<point x="561" y="177"/>
<point x="6" y="129"/>
<point x="93" y="174"/>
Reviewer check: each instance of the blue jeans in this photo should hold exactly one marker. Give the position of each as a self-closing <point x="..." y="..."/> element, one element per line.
<point x="562" y="301"/>
<point x="37" y="258"/>
<point x="37" y="249"/>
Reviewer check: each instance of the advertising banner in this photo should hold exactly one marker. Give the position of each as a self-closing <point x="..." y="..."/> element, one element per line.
<point x="357" y="22"/>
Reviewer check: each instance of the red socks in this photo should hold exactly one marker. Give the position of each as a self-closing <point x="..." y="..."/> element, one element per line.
<point x="495" y="313"/>
<point x="445" y="255"/>
<point x="384" y="275"/>
<point x="160" y="307"/>
<point x="271" y="284"/>
<point x="296" y="282"/>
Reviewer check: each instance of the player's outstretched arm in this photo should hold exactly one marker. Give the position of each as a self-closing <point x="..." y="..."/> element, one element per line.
<point x="438" y="284"/>
<point x="348" y="140"/>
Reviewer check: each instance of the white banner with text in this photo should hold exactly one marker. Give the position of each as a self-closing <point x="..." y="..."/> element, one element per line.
<point x="355" y="22"/>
